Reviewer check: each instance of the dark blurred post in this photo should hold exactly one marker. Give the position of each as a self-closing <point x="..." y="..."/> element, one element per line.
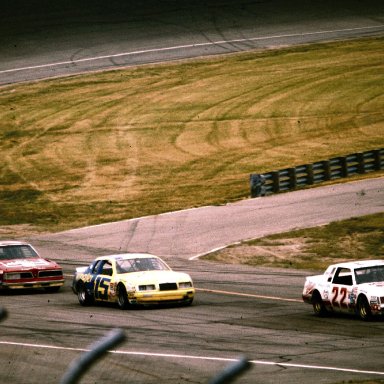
<point x="3" y="313"/>
<point x="232" y="372"/>
<point x="79" y="366"/>
<point x="257" y="184"/>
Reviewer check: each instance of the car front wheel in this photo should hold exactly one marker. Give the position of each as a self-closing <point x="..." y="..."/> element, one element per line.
<point x="188" y="302"/>
<point x="318" y="305"/>
<point x="363" y="309"/>
<point x="84" y="297"/>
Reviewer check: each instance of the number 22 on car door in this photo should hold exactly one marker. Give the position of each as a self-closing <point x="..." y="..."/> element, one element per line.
<point x="339" y="298"/>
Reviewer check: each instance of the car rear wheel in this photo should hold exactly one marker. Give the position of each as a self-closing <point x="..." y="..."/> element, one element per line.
<point x="122" y="297"/>
<point x="363" y="309"/>
<point x="318" y="305"/>
<point x="83" y="295"/>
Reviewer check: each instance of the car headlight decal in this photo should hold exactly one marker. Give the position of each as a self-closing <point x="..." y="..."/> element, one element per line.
<point x="147" y="287"/>
<point x="129" y="287"/>
<point x="12" y="276"/>
<point x="185" y="285"/>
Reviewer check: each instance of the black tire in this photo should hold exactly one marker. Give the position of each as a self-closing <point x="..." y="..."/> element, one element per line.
<point x="85" y="299"/>
<point x="122" y="297"/>
<point x="188" y="302"/>
<point x="363" y="309"/>
<point x="318" y="305"/>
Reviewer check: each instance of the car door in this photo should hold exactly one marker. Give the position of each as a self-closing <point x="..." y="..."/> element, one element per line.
<point x="341" y="289"/>
<point x="102" y="279"/>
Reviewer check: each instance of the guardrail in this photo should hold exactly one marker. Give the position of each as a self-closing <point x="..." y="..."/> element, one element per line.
<point x="309" y="174"/>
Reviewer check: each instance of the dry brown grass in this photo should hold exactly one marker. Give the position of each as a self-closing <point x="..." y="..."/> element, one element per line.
<point x="108" y="146"/>
<point x="312" y="248"/>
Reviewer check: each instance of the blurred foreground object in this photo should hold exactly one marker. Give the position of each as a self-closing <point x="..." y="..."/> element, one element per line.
<point x="79" y="366"/>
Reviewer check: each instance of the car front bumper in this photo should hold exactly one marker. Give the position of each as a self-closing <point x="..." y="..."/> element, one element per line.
<point x="31" y="284"/>
<point x="181" y="295"/>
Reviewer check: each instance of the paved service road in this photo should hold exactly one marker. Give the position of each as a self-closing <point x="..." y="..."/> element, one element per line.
<point x="187" y="234"/>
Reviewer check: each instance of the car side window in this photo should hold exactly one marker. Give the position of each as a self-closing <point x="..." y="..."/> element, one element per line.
<point x="96" y="267"/>
<point x="102" y="267"/>
<point x="330" y="274"/>
<point x="343" y="276"/>
<point x="106" y="269"/>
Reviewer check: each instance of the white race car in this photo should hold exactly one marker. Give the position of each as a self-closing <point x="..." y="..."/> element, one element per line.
<point x="352" y="287"/>
<point x="132" y="278"/>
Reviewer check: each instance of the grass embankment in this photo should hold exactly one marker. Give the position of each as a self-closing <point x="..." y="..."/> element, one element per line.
<point x="313" y="248"/>
<point x="107" y="146"/>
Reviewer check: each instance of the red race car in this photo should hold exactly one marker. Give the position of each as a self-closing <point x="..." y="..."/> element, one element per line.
<point x="22" y="267"/>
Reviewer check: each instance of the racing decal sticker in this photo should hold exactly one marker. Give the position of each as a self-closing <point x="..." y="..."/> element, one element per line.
<point x="112" y="289"/>
<point x="308" y="288"/>
<point x="353" y="296"/>
<point x="26" y="263"/>
<point x="86" y="277"/>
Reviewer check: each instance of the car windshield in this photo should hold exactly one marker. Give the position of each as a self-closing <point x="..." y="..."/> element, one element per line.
<point x="370" y="274"/>
<point x="17" y="252"/>
<point x="140" y="264"/>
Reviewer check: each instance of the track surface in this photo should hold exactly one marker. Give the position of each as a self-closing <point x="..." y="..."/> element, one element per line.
<point x="43" y="38"/>
<point x="238" y="310"/>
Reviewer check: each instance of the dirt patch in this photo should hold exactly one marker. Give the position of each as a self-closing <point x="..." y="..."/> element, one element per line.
<point x="275" y="252"/>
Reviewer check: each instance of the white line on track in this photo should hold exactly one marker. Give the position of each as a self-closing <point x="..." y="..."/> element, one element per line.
<point x="186" y="46"/>
<point x="192" y="357"/>
<point x="212" y="251"/>
<point x="249" y="295"/>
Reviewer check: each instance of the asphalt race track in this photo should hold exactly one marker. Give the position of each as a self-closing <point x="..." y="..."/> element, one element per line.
<point x="238" y="311"/>
<point x="43" y="38"/>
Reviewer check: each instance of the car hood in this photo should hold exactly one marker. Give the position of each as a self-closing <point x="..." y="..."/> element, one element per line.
<point x="148" y="277"/>
<point x="26" y="264"/>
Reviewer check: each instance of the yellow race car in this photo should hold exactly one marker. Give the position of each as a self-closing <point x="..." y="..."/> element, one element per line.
<point x="131" y="278"/>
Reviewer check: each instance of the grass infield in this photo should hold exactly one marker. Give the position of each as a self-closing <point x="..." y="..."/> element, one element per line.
<point x="126" y="143"/>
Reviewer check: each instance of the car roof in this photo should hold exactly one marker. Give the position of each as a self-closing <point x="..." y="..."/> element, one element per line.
<point x="127" y="256"/>
<point x="4" y="243"/>
<point x="359" y="264"/>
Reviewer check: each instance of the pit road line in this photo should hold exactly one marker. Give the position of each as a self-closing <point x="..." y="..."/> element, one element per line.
<point x="189" y="46"/>
<point x="191" y="357"/>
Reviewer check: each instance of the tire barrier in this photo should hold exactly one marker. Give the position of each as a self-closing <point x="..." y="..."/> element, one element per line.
<point x="321" y="171"/>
